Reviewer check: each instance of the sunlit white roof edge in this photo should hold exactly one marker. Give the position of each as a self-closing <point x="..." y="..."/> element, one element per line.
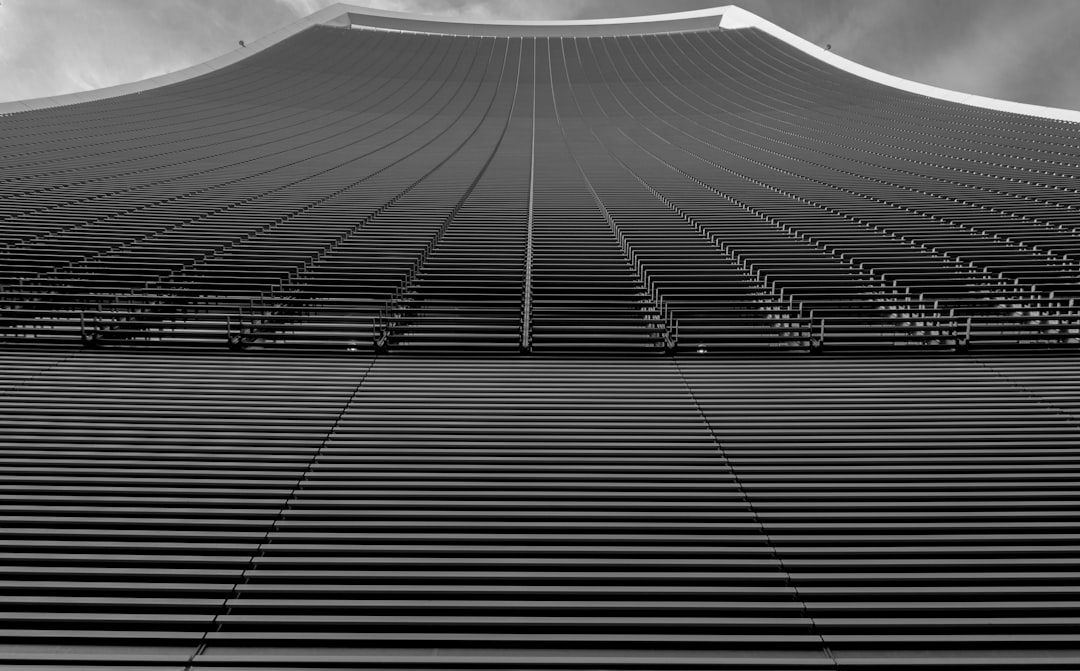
<point x="736" y="17"/>
<point x="728" y="17"/>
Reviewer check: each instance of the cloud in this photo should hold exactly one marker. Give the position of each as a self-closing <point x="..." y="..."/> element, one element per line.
<point x="1012" y="52"/>
<point x="303" y="7"/>
<point x="996" y="48"/>
<point x="465" y="9"/>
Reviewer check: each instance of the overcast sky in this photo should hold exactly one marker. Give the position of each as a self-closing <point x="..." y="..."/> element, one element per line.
<point x="1022" y="50"/>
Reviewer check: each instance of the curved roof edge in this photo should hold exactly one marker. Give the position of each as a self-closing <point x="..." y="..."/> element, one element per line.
<point x="727" y="17"/>
<point x="334" y="15"/>
<point x="735" y="18"/>
<point x="697" y="19"/>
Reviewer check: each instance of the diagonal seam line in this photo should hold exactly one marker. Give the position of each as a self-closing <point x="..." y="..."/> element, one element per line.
<point x="750" y="505"/>
<point x="41" y="372"/>
<point x="1039" y="398"/>
<point x="260" y="550"/>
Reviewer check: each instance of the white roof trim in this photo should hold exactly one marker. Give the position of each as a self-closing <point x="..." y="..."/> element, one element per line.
<point x="379" y="19"/>
<point x="735" y="18"/>
<point x="728" y="17"/>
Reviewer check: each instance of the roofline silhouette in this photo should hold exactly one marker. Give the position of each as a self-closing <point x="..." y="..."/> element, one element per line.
<point x="729" y="17"/>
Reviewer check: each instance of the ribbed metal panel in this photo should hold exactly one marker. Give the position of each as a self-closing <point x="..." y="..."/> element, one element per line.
<point x="681" y="513"/>
<point x="137" y="490"/>
<point x="917" y="506"/>
<point x="521" y="509"/>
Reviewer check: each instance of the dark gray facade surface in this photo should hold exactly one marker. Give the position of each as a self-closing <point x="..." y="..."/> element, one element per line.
<point x="407" y="350"/>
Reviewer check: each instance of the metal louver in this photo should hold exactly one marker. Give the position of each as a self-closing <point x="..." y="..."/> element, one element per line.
<point x="552" y="513"/>
<point x="537" y="347"/>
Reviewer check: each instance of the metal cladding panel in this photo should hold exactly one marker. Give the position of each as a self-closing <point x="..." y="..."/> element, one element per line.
<point x="423" y="512"/>
<point x="349" y="355"/>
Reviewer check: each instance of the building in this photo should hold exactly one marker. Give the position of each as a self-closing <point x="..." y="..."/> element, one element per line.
<point x="666" y="343"/>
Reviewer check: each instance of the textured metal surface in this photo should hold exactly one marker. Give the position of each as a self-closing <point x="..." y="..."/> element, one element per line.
<point x="686" y="512"/>
<point x="861" y="452"/>
<point x="353" y="189"/>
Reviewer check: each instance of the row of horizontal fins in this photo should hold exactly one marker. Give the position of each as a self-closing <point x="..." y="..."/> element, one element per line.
<point x="706" y="191"/>
<point x="226" y="510"/>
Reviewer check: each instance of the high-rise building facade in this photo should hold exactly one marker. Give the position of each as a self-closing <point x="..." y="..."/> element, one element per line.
<point x="669" y="342"/>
